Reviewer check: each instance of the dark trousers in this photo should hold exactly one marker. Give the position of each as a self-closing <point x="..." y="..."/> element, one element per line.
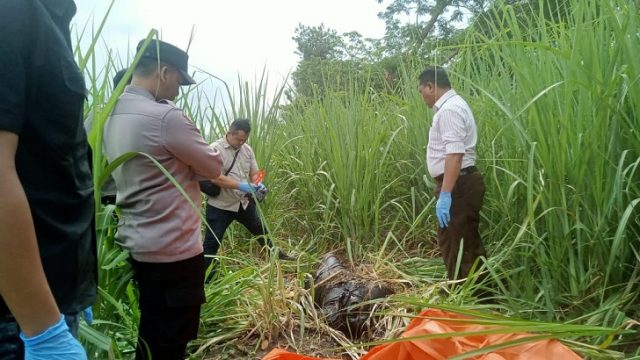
<point x="466" y="201"/>
<point x="12" y="347"/>
<point x="170" y="299"/>
<point x="219" y="220"/>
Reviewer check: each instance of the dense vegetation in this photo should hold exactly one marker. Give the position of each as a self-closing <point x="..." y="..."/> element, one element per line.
<point x="556" y="92"/>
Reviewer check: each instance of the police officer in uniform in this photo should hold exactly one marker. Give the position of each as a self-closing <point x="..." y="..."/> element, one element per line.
<point x="158" y="225"/>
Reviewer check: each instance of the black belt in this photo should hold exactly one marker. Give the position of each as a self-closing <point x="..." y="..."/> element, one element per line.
<point x="465" y="171"/>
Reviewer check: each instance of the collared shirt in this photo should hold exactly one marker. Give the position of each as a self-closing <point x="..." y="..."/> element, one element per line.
<point x="42" y="93"/>
<point x="453" y="131"/>
<point x="157" y="223"/>
<point x="245" y="165"/>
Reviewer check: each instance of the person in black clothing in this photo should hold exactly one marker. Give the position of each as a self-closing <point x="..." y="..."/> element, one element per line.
<point x="47" y="237"/>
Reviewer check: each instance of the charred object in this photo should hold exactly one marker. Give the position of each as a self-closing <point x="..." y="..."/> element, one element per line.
<point x="344" y="298"/>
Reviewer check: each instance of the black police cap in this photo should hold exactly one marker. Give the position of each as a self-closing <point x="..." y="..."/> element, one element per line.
<point x="118" y="76"/>
<point x="169" y="54"/>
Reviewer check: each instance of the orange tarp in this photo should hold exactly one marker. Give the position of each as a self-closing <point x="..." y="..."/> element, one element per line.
<point x="432" y="321"/>
<point x="279" y="354"/>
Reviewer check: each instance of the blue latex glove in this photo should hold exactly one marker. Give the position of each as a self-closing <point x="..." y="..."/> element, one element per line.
<point x="246" y="187"/>
<point x="55" y="343"/>
<point x="443" y="206"/>
<point x="88" y="315"/>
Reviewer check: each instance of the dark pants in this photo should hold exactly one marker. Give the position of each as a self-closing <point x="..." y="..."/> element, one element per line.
<point x="108" y="199"/>
<point x="170" y="299"/>
<point x="12" y="347"/>
<point x="466" y="202"/>
<point x="219" y="220"/>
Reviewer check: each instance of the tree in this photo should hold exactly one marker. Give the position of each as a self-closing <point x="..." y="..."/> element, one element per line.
<point x="554" y="11"/>
<point x="330" y="61"/>
<point x="417" y="32"/>
<point x="318" y="42"/>
<point x="413" y="26"/>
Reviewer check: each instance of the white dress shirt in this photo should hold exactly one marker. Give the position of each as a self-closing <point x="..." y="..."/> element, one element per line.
<point x="453" y="131"/>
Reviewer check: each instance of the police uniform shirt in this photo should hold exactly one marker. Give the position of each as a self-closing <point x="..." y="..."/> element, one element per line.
<point x="157" y="223"/>
<point x="42" y="94"/>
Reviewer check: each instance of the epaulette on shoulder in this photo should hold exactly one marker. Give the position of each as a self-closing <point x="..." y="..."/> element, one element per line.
<point x="173" y="106"/>
<point x="169" y="107"/>
<point x="167" y="102"/>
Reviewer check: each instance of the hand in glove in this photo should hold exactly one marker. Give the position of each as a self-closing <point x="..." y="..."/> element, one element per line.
<point x="247" y="188"/>
<point x="55" y="343"/>
<point x="443" y="207"/>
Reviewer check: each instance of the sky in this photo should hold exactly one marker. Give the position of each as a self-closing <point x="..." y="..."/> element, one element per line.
<point x="232" y="37"/>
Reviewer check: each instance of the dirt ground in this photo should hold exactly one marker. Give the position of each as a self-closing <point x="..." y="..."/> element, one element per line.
<point x="314" y="344"/>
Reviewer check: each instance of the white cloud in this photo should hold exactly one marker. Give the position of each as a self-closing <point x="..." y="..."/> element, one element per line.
<point x="232" y="37"/>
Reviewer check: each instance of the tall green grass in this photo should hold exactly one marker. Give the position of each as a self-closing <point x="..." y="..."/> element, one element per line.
<point x="342" y="163"/>
<point x="562" y="152"/>
<point x="556" y="103"/>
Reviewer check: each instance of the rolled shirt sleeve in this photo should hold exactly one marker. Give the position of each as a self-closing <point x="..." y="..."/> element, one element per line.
<point x="452" y="127"/>
<point x="183" y="140"/>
